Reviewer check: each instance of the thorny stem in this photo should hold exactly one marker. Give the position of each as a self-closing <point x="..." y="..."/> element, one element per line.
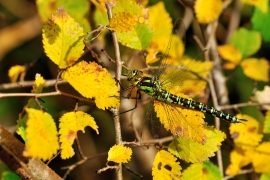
<point x="118" y="63"/>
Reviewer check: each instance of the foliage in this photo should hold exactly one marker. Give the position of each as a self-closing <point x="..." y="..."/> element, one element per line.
<point x="70" y="123"/>
<point x="119" y="154"/>
<point x="149" y="28"/>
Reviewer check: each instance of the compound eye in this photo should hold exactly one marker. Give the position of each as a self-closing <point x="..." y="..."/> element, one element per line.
<point x="134" y="72"/>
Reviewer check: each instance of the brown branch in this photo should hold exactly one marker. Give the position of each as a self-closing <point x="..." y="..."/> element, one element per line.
<point x="118" y="70"/>
<point x="160" y="141"/>
<point x="73" y="166"/>
<point x="48" y="83"/>
<point x="11" y="150"/>
<point x="234" y="20"/>
<point x="241" y="172"/>
<point x="108" y="167"/>
<point x="79" y="148"/>
<point x="130" y="170"/>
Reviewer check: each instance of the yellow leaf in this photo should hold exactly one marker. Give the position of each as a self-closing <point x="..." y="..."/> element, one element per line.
<point x="70" y="124"/>
<point x="181" y="122"/>
<point x="256" y="69"/>
<point x="261" y="97"/>
<point x="123" y="22"/>
<point x="137" y="34"/>
<point x="230" y="53"/>
<point x="229" y="65"/>
<point x="239" y="158"/>
<point x="194" y="152"/>
<point x="119" y="154"/>
<point x="165" y="166"/>
<point x="37" y="88"/>
<point x="261" y="4"/>
<point x="41" y="134"/>
<point x="261" y="158"/>
<point x="62" y="39"/>
<point x="246" y="135"/>
<point x="207" y="11"/>
<point x="38" y="84"/>
<point x="91" y="80"/>
<point x="162" y="31"/>
<point x="14" y="72"/>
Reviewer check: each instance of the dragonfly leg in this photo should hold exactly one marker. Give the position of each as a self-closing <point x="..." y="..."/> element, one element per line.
<point x="138" y="96"/>
<point x="124" y="89"/>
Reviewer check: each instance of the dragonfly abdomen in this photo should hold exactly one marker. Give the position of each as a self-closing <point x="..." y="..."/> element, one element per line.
<point x="173" y="99"/>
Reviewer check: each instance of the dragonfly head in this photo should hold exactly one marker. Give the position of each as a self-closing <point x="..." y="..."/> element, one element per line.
<point x="135" y="76"/>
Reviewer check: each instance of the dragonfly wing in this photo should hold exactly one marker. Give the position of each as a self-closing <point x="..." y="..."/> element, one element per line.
<point x="181" y="122"/>
<point x="175" y="46"/>
<point x="151" y="122"/>
<point x="177" y="72"/>
<point x="185" y="78"/>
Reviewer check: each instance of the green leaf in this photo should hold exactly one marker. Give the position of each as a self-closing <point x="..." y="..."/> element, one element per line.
<point x="139" y="38"/>
<point x="266" y="127"/>
<point x="48" y="7"/>
<point x="248" y="42"/>
<point x="205" y="170"/>
<point x="265" y="176"/>
<point x="9" y="175"/>
<point x="261" y="23"/>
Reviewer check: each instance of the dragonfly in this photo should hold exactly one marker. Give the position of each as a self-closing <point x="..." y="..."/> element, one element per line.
<point x="158" y="88"/>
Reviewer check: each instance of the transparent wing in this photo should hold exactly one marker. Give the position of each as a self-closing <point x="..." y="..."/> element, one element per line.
<point x="178" y="72"/>
<point x="151" y="120"/>
<point x="178" y="33"/>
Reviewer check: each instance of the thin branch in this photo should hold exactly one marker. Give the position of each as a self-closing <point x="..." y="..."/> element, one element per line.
<point x="110" y="59"/>
<point x="79" y="148"/>
<point x="53" y="158"/>
<point x="211" y="45"/>
<point x="48" y="83"/>
<point x="130" y="170"/>
<point x="73" y="166"/>
<point x="160" y="141"/>
<point x="236" y="106"/>
<point x="118" y="70"/>
<point x="108" y="167"/>
<point x="234" y="20"/>
<point x="241" y="172"/>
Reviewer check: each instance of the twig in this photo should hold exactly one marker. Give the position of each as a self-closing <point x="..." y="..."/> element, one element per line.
<point x="53" y="158"/>
<point x="108" y="167"/>
<point x="110" y="59"/>
<point x="38" y="95"/>
<point x="79" y="148"/>
<point x="242" y="172"/>
<point x="130" y="170"/>
<point x="211" y="45"/>
<point x="57" y="80"/>
<point x="235" y="106"/>
<point x="234" y="20"/>
<point x="73" y="166"/>
<point x="48" y="83"/>
<point x="150" y="141"/>
<point x="118" y="70"/>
